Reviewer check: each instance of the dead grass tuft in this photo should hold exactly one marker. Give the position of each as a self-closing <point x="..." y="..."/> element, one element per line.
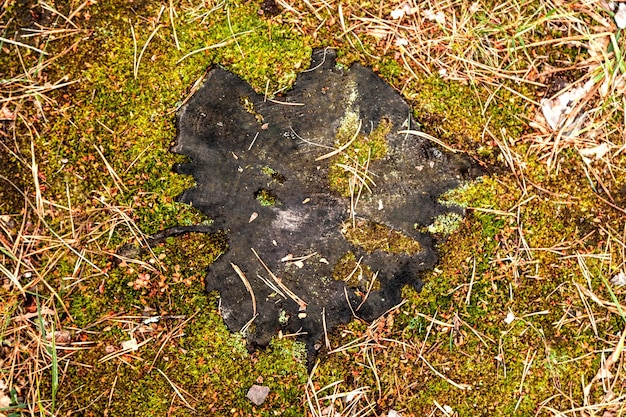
<point x="46" y="250"/>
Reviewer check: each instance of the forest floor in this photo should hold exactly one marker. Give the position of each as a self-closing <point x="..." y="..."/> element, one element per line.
<point x="524" y="315"/>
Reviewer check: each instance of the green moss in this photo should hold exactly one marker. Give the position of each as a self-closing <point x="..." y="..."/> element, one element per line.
<point x="355" y="275"/>
<point x="249" y="106"/>
<point x="274" y="175"/>
<point x="106" y="149"/>
<point x="479" y="285"/>
<point x="106" y="146"/>
<point x="267" y="198"/>
<point x="205" y="359"/>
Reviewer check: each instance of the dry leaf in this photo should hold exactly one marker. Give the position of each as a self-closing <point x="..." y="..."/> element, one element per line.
<point x="510" y="317"/>
<point x="438" y="17"/>
<point x="619" y="279"/>
<point x="403" y="9"/>
<point x="397" y="13"/>
<point x="620" y="16"/>
<point x="6" y="114"/>
<point x="556" y="109"/>
<point x="591" y="154"/>
<point x="253" y="216"/>
<point x="130" y="345"/>
<point x="5" y="400"/>
<point x="401" y="42"/>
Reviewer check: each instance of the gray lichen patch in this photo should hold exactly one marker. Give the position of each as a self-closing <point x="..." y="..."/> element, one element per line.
<point x="291" y="233"/>
<point x="446" y="223"/>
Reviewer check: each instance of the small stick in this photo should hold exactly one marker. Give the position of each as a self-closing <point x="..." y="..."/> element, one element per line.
<point x="369" y="289"/>
<point x="471" y="284"/>
<point x="16" y="43"/>
<point x="286" y="103"/>
<point x="145" y="46"/>
<point x="172" y="14"/>
<point x="253" y="140"/>
<point x="327" y="342"/>
<point x="345" y="291"/>
<point x="301" y="303"/>
<point x="248" y="286"/>
<point x="271" y="286"/>
<point x="176" y="389"/>
<point x="463" y="387"/>
<point x="225" y="42"/>
<point x="116" y="179"/>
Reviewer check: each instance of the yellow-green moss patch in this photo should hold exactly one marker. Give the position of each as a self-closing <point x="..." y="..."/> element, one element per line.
<point x="354" y="274"/>
<point x="349" y="169"/>
<point x="373" y="236"/>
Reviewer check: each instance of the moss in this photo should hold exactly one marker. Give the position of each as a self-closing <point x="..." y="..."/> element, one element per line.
<point x="135" y="111"/>
<point x="114" y="123"/>
<point x="106" y="147"/>
<point x="373" y="236"/>
<point x="355" y="275"/>
<point x="267" y="198"/>
<point x="348" y="170"/>
<point x="249" y="106"/>
<point x="274" y="175"/>
<point x="205" y="361"/>
<point x="480" y="285"/>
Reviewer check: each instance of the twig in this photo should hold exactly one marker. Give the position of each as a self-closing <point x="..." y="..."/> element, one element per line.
<point x="301" y="303"/>
<point x="430" y="138"/>
<point x="176" y="390"/>
<point x="463" y="387"/>
<point x="247" y="285"/>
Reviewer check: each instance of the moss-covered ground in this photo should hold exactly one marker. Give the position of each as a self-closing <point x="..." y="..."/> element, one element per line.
<point x="517" y="318"/>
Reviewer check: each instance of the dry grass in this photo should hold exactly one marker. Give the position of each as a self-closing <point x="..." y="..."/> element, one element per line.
<point x="504" y="46"/>
<point x="45" y="236"/>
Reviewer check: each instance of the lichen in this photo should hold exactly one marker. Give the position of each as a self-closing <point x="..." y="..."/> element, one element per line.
<point x="445" y="224"/>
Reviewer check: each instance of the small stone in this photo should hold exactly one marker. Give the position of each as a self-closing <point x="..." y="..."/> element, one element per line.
<point x="257" y="394"/>
<point x="62" y="337"/>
